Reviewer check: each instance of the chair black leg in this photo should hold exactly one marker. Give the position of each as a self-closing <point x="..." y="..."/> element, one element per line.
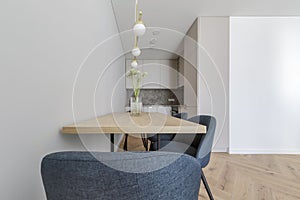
<point x="206" y="185"/>
<point x="125" y="143"/>
<point x="146" y="144"/>
<point x="145" y="141"/>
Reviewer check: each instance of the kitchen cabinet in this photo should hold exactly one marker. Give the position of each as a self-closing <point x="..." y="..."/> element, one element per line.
<point x="161" y="74"/>
<point x="180" y="72"/>
<point x="152" y="80"/>
<point x="190" y="64"/>
<point x="169" y="74"/>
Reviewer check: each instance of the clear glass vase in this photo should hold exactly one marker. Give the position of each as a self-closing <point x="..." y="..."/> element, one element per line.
<point x="136" y="105"/>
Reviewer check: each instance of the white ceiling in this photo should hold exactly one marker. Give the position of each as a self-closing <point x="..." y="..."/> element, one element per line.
<point x="174" y="17"/>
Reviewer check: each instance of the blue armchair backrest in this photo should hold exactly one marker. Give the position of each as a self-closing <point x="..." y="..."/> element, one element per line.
<point x="111" y="176"/>
<point x="203" y="143"/>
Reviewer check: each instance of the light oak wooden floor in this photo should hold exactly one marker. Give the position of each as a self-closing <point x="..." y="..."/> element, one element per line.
<point x="247" y="177"/>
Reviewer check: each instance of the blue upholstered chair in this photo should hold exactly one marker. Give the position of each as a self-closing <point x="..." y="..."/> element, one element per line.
<point x="197" y="145"/>
<point x="121" y="176"/>
<point x="153" y="138"/>
<point x="168" y="137"/>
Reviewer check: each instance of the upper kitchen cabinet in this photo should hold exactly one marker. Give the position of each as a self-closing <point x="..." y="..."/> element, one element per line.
<point x="190" y="68"/>
<point x="169" y="74"/>
<point x="152" y="80"/>
<point x="162" y="74"/>
<point x="180" y="72"/>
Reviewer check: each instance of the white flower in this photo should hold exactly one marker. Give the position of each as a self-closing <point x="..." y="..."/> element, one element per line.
<point x="144" y="74"/>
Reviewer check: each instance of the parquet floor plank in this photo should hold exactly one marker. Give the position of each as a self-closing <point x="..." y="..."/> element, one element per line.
<point x="247" y="177"/>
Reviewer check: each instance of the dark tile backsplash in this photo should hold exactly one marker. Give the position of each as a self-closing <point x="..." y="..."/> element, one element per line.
<point x="159" y="96"/>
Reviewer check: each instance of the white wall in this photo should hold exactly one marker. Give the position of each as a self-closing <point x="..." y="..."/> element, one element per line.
<point x="42" y="46"/>
<point x="265" y="85"/>
<point x="213" y="79"/>
<point x="181" y="13"/>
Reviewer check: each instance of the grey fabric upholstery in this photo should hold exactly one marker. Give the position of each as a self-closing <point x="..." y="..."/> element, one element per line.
<point x="181" y="115"/>
<point x="168" y="137"/>
<point x="201" y="142"/>
<point x="81" y="176"/>
<point x="173" y="146"/>
<point x="204" y="142"/>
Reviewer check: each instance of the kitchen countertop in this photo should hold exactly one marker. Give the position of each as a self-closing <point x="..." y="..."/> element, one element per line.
<point x="161" y="105"/>
<point x="155" y="108"/>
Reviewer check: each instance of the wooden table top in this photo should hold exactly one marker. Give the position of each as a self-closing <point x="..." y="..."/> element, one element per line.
<point x="120" y="123"/>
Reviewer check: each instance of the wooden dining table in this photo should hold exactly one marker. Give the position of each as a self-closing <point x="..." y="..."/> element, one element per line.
<point x="125" y="123"/>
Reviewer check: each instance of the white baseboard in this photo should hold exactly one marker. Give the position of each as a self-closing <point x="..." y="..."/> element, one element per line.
<point x="220" y="150"/>
<point x="264" y="151"/>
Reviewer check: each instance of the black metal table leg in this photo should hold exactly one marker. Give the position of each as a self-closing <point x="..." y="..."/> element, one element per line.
<point x="112" y="142"/>
<point x="125" y="143"/>
<point x="158" y="142"/>
<point x="146" y="142"/>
